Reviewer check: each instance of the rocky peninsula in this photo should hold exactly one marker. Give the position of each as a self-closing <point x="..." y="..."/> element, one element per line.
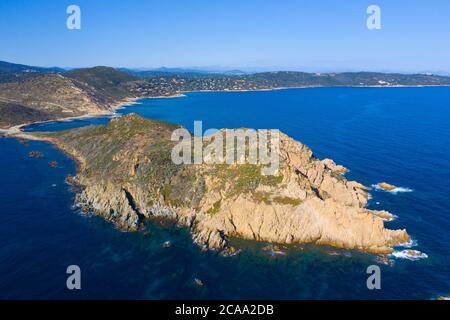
<point x="126" y="175"/>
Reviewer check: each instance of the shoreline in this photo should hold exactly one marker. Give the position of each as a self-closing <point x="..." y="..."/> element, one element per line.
<point x="17" y="129"/>
<point x="11" y="131"/>
<point x="318" y="86"/>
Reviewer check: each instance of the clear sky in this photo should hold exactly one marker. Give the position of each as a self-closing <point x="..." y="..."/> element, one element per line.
<point x="283" y="34"/>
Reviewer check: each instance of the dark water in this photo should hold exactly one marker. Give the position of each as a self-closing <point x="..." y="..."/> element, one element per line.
<point x="398" y="135"/>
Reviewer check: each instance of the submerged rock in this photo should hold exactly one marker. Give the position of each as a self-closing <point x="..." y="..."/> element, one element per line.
<point x="274" y="250"/>
<point x="53" y="164"/>
<point x="23" y="142"/>
<point x="383" y="259"/>
<point x="198" y="282"/>
<point x="35" y="154"/>
<point x="126" y="175"/>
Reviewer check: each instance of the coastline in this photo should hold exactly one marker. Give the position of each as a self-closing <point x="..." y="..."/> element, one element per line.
<point x="17" y="129"/>
<point x="11" y="131"/>
<point x="201" y="235"/>
<point x="316" y="86"/>
<point x="66" y="152"/>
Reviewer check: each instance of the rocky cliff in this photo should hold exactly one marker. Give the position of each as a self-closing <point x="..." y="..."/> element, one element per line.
<point x="126" y="175"/>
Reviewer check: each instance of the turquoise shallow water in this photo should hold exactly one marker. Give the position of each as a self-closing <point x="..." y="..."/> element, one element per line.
<point x="398" y="135"/>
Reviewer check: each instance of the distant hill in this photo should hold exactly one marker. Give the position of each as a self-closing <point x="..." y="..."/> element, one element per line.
<point x="13" y="113"/>
<point x="107" y="84"/>
<point x="46" y="96"/>
<point x="293" y="79"/>
<point x="100" y="76"/>
<point x="170" y="84"/>
<point x="186" y="72"/>
<point x="33" y="93"/>
<point x="8" y="67"/>
<point x="16" y="72"/>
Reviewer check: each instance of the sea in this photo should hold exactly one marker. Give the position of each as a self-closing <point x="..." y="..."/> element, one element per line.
<point x="395" y="135"/>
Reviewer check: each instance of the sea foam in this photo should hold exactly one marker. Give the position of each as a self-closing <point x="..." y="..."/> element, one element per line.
<point x="411" y="243"/>
<point x="410" y="255"/>
<point x="394" y="191"/>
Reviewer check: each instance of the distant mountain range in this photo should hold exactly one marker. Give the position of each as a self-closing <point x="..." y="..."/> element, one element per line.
<point x="29" y="93"/>
<point x="7" y="67"/>
<point x="192" y="72"/>
<point x="14" y="72"/>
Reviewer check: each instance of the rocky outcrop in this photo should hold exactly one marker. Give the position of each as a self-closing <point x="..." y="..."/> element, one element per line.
<point x="118" y="207"/>
<point x="330" y="164"/>
<point x="386" y="216"/>
<point x="127" y="175"/>
<point x="386" y="186"/>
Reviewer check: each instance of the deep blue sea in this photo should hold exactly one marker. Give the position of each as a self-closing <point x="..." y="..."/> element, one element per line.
<point x="397" y="135"/>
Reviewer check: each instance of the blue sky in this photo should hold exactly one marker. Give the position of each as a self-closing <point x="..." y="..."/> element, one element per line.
<point x="264" y="34"/>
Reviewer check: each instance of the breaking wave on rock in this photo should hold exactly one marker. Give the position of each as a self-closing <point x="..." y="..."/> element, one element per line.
<point x="410" y="255"/>
<point x="411" y="243"/>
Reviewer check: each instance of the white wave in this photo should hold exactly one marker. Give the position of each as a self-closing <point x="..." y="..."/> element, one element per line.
<point x="115" y="115"/>
<point x="235" y="253"/>
<point x="167" y="244"/>
<point x="277" y="253"/>
<point x="401" y="189"/>
<point x="410" y="255"/>
<point x="394" y="217"/>
<point x="394" y="191"/>
<point x="411" y="243"/>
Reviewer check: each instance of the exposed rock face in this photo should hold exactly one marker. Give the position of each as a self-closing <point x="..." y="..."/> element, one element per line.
<point x="127" y="175"/>
<point x="334" y="167"/>
<point x="114" y="205"/>
<point x="387" y="216"/>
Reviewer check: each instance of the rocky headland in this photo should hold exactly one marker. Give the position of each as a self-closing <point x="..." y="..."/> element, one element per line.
<point x="126" y="175"/>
